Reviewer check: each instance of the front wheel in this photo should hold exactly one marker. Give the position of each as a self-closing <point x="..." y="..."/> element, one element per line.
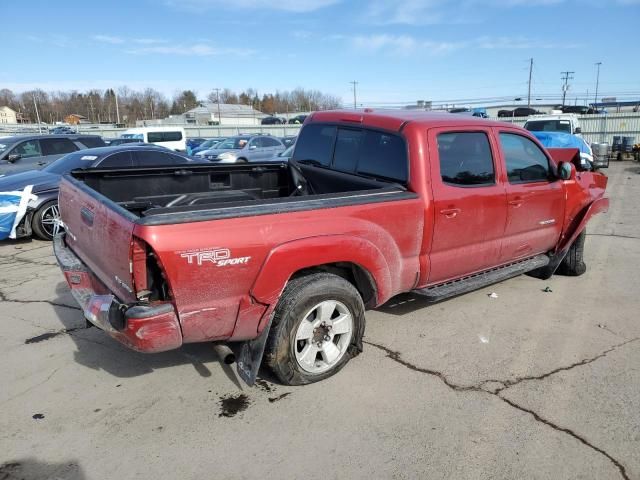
<point x="317" y="327"/>
<point x="573" y="264"/>
<point x="46" y="221"/>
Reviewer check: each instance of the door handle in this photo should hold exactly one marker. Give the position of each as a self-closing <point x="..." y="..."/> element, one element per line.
<point x="516" y="203"/>
<point x="450" y="212"/>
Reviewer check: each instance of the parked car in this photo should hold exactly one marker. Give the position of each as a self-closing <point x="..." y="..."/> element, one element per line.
<point x="283" y="156"/>
<point x="298" y="119"/>
<point x="281" y="260"/>
<point x="562" y="122"/>
<point x="288" y="140"/>
<point x="29" y="152"/>
<point x="244" y="148"/>
<point x="272" y="120"/>
<point x="206" y="145"/>
<point x="518" y="112"/>
<point x="62" y="130"/>
<point x="193" y="143"/>
<point x="43" y="215"/>
<point x="578" y="109"/>
<point x="174" y="138"/>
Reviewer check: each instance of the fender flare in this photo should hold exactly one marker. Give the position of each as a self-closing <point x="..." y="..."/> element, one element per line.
<point x="600" y="205"/>
<point x="286" y="259"/>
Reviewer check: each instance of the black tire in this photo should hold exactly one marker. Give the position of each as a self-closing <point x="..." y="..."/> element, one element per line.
<point x="40" y="230"/>
<point x="241" y="160"/>
<point x="573" y="264"/>
<point x="301" y="295"/>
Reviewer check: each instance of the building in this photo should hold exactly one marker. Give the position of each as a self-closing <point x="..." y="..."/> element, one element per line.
<point x="8" y="115"/>
<point x="223" y="114"/>
<point x="75" y="119"/>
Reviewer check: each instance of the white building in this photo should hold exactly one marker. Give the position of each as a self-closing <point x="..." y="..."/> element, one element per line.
<point x="211" y="114"/>
<point x="7" y="115"/>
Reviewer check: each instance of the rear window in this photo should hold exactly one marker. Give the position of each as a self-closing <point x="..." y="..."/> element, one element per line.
<point x="315" y="144"/>
<point x="384" y="155"/>
<point x="549" y="126"/>
<point x="155" y="137"/>
<point x="465" y="159"/>
<point x="92" y="142"/>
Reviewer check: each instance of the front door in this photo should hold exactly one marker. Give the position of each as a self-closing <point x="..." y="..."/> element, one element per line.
<point x="469" y="203"/>
<point x="535" y="198"/>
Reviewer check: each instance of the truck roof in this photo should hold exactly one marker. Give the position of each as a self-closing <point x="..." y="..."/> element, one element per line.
<point x="396" y="119"/>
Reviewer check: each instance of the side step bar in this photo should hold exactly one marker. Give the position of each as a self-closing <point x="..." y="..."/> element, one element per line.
<point x="482" y="279"/>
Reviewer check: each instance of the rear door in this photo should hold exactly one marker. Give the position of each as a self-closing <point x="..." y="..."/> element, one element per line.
<point x="100" y="236"/>
<point x="469" y="202"/>
<point x="535" y="198"/>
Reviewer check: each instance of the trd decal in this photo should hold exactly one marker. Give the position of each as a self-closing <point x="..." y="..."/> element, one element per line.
<point x="218" y="256"/>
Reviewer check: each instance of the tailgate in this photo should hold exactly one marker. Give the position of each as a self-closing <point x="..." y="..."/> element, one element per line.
<point x="99" y="235"/>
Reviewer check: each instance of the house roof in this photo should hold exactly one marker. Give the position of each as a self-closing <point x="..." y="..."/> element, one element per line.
<point x="225" y="109"/>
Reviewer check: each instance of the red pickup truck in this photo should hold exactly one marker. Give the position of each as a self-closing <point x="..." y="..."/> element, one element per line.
<point x="281" y="259"/>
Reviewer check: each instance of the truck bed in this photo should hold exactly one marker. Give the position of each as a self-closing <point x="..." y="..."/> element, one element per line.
<point x="157" y="195"/>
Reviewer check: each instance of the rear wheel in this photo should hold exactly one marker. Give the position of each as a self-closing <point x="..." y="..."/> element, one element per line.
<point x="573" y="264"/>
<point x="46" y="221"/>
<point x="241" y="160"/>
<point x="317" y="327"/>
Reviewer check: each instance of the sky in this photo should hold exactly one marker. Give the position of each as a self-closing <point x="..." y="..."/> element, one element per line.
<point x="398" y="51"/>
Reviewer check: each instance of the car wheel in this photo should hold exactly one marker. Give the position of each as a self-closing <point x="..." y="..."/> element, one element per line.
<point x="46" y="221"/>
<point x="241" y="160"/>
<point x="573" y="264"/>
<point x="317" y="327"/>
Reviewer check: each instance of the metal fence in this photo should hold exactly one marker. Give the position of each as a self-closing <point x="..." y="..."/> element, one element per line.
<point x="595" y="128"/>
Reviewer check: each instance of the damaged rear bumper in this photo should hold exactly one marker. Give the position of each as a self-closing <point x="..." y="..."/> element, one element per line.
<point x="144" y="328"/>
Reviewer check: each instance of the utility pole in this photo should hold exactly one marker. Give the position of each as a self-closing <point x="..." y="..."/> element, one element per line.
<point x="566" y="76"/>
<point x="35" y="104"/>
<point x="597" y="82"/>
<point x="354" y="83"/>
<point x="218" y="97"/>
<point x="530" y="72"/>
<point x="115" y="94"/>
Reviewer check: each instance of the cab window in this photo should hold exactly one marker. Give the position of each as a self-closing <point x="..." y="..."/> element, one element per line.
<point x="27" y="149"/>
<point x="465" y="159"/>
<point x="525" y="161"/>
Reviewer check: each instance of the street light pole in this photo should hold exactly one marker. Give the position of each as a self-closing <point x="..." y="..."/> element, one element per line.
<point x="35" y="104"/>
<point x="597" y="82"/>
<point x="355" y="103"/>
<point x="530" y="72"/>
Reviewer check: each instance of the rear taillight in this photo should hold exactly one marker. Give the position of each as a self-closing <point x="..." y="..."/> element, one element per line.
<point x="147" y="274"/>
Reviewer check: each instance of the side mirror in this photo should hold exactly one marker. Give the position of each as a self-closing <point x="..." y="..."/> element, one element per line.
<point x="577" y="130"/>
<point x="566" y="171"/>
<point x="14" y="157"/>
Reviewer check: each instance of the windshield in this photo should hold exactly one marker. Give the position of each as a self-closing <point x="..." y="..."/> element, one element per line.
<point x="137" y="136"/>
<point x="208" y="144"/>
<point x="233" y="143"/>
<point x="4" y="146"/>
<point x="71" y="162"/>
<point x="549" y="126"/>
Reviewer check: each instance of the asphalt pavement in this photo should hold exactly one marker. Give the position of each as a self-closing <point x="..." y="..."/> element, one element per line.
<point x="538" y="383"/>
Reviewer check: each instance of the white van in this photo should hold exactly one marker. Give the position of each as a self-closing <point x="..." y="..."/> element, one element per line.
<point x="173" y="138"/>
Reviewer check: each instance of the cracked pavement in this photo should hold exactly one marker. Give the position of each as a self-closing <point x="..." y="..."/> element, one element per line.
<point x="531" y="384"/>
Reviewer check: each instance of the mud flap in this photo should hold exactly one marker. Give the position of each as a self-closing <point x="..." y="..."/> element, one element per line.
<point x="249" y="355"/>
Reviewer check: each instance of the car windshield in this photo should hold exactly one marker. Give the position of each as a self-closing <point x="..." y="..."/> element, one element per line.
<point x="549" y="126"/>
<point x="4" y="146"/>
<point x="234" y="143"/>
<point x="71" y="162"/>
<point x="137" y="136"/>
<point x="209" y="144"/>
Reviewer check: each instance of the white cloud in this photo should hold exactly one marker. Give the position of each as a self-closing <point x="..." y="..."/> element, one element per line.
<point x="522" y="43"/>
<point x="108" y="39"/>
<point x="196" y="49"/>
<point x="401" y="45"/>
<point x="285" y="5"/>
<point x="149" y="41"/>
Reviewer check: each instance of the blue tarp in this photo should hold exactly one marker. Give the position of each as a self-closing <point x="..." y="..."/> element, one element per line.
<point x="562" y="140"/>
<point x="13" y="206"/>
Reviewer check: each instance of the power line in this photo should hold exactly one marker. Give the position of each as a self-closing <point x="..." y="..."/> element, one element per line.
<point x="566" y="76"/>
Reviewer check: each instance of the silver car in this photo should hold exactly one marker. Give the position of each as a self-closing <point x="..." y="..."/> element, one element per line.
<point x="244" y="148"/>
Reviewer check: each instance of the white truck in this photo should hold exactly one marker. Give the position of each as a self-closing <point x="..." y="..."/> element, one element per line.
<point x="561" y="122"/>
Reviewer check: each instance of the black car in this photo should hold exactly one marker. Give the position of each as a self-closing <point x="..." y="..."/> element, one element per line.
<point x="518" y="112"/>
<point x="297" y="120"/>
<point x="62" y="130"/>
<point x="33" y="152"/>
<point x="579" y="109"/>
<point x="272" y="120"/>
<point x="42" y="216"/>
<point x="288" y="140"/>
